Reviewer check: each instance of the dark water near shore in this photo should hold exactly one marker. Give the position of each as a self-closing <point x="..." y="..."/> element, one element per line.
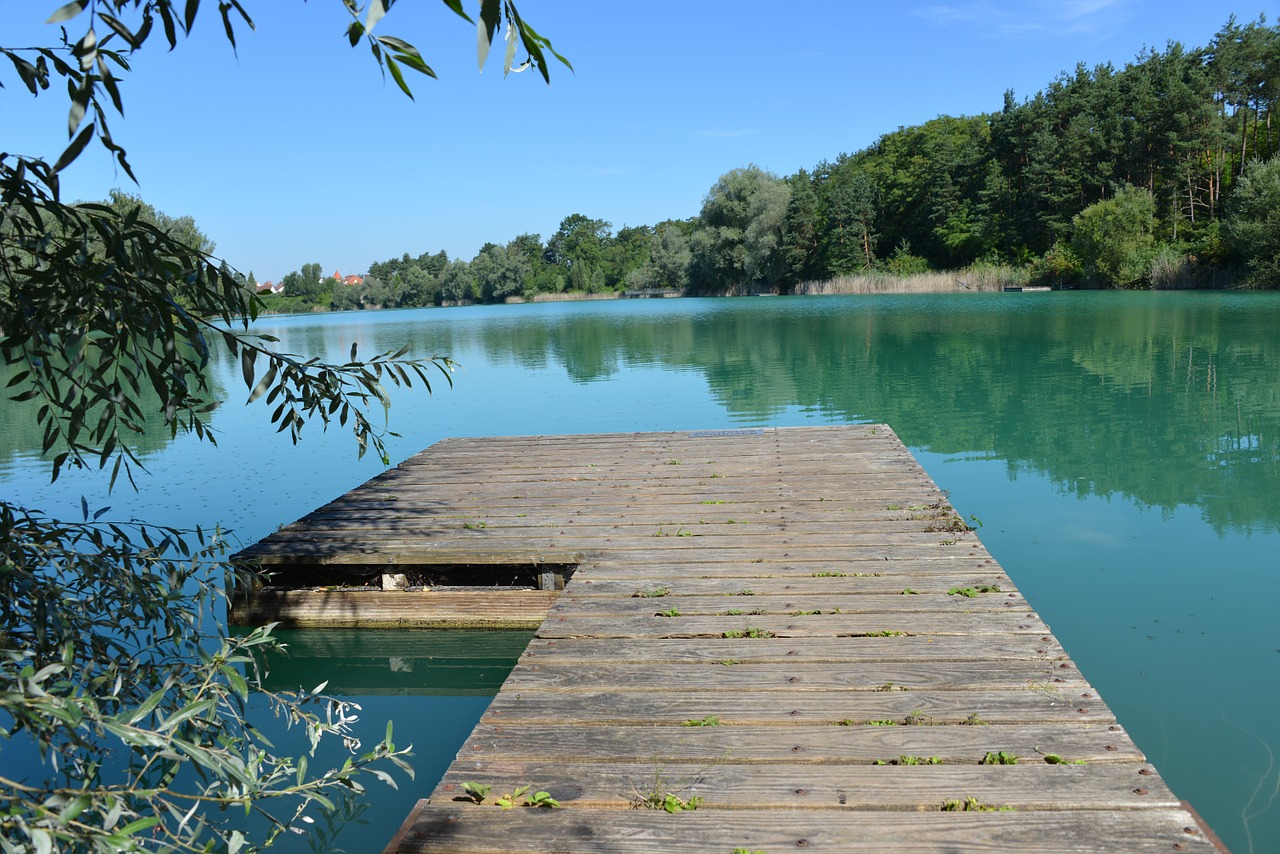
<point x="1121" y="450"/>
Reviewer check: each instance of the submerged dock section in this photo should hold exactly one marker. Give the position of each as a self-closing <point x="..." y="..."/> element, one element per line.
<point x="767" y="640"/>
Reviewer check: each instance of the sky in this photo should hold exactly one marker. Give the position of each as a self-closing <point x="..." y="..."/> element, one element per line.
<point x="294" y="149"/>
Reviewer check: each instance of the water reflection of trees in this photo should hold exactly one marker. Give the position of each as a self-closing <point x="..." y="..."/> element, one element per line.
<point x="22" y="436"/>
<point x="1168" y="400"/>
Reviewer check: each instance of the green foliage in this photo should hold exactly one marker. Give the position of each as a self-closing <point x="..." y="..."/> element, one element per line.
<point x="135" y="700"/>
<point x="740" y="234"/>
<point x="972" y="804"/>
<point x="910" y="760"/>
<point x="753" y="632"/>
<point x="903" y="263"/>
<point x="1253" y="223"/>
<point x="478" y="793"/>
<point x="972" y="592"/>
<point x="1000" y="758"/>
<point x="651" y="593"/>
<point x="662" y="794"/>
<point x="1055" y="759"/>
<point x="1115" y="238"/>
<point x="708" y="720"/>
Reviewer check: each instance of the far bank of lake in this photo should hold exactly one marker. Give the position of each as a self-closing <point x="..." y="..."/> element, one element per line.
<point x="1122" y="451"/>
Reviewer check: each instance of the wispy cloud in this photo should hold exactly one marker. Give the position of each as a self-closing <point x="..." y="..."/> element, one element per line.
<point x="724" y="134"/>
<point x="1057" y="17"/>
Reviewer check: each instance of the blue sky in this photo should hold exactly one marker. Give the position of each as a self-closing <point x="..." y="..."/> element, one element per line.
<point x="295" y="150"/>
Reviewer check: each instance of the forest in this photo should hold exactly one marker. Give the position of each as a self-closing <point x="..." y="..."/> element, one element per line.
<point x="1159" y="174"/>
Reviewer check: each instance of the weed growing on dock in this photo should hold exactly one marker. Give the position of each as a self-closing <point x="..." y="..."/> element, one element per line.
<point x="882" y="723"/>
<point x="476" y="792"/>
<point x="890" y="686"/>
<point x="846" y="722"/>
<point x="973" y="720"/>
<point x="886" y="633"/>
<point x="748" y="851"/>
<point x="893" y="507"/>
<point x="830" y="574"/>
<point x="733" y="612"/>
<point x="910" y="760"/>
<point x="972" y="592"/>
<point x="746" y="591"/>
<point x="1055" y="759"/>
<point x="476" y="526"/>
<point x="479" y="792"/>
<point x="916" y="718"/>
<point x="661" y="794"/>
<point x="711" y="502"/>
<point x="652" y="593"/>
<point x="866" y="574"/>
<point x="1001" y="758"/>
<point x="909" y="591"/>
<point x="670" y="612"/>
<point x="972" y="804"/>
<point x="728" y="662"/>
<point x="748" y="633"/>
<point x="756" y="612"/>
<point x="803" y="613"/>
<point x="708" y="720"/>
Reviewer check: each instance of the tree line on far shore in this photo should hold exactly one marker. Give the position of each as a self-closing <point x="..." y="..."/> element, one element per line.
<point x="1159" y="174"/>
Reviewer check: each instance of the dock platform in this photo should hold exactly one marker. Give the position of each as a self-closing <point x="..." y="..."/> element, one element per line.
<point x="767" y="640"/>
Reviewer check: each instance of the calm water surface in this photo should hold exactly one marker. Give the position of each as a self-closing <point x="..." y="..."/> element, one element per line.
<point x="1121" y="450"/>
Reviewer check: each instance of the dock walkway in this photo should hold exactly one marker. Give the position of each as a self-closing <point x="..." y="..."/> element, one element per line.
<point x="789" y="629"/>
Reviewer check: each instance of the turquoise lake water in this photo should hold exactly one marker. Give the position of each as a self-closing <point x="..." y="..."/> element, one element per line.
<point x="1121" y="450"/>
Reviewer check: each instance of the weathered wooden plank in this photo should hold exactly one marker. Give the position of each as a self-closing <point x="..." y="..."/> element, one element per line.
<point x="799" y="744"/>
<point x="387" y="538"/>
<point x="618" y="705"/>
<point x="667" y="652"/>
<point x="841" y="575"/>
<point x="787" y="603"/>
<point x="491" y="608"/>
<point x="685" y="580"/>
<point x="990" y="622"/>
<point x="454" y="827"/>
<point x="880" y="676"/>
<point x="564" y="549"/>
<point x="726" y="785"/>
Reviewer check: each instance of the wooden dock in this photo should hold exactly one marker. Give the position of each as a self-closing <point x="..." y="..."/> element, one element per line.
<point x="787" y="637"/>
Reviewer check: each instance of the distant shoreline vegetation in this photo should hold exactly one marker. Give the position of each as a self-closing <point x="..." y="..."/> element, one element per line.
<point x="1159" y="174"/>
<point x="974" y="280"/>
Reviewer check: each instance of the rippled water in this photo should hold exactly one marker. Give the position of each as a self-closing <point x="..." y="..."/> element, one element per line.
<point x="1121" y="450"/>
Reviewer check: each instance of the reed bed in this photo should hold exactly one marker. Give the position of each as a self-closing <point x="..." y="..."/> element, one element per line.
<point x="977" y="279"/>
